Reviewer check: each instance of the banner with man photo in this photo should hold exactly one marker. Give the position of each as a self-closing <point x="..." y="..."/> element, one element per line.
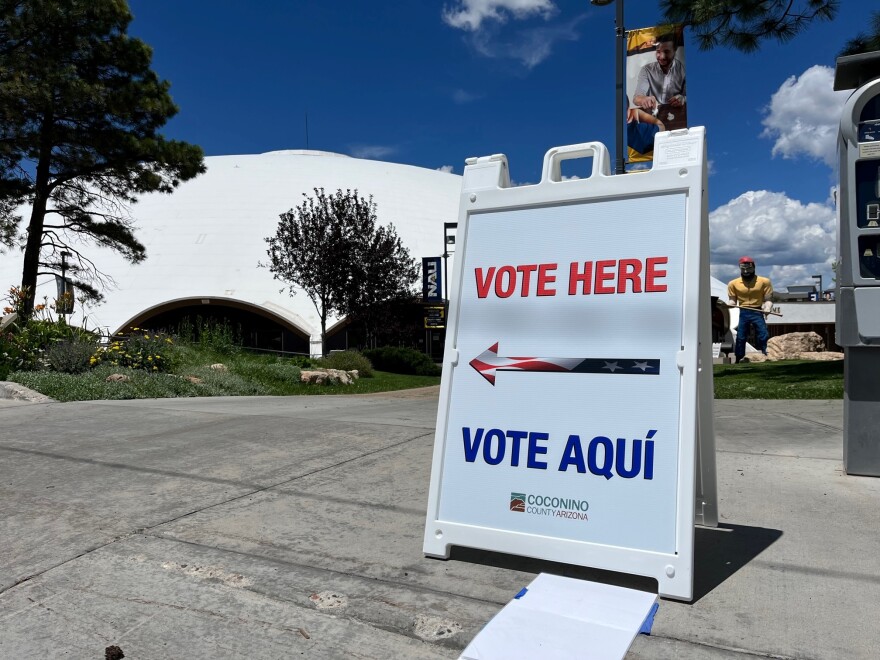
<point x="655" y="87"/>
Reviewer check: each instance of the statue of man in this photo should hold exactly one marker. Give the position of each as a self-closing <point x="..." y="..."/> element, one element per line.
<point x="751" y="294"/>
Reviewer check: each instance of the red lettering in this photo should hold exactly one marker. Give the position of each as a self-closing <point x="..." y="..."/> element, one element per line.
<point x="628" y="270"/>
<point x="602" y="276"/>
<point x="652" y="274"/>
<point x="500" y="289"/>
<point x="483" y="285"/>
<point x="585" y="278"/>
<point x="526" y="271"/>
<point x="544" y="278"/>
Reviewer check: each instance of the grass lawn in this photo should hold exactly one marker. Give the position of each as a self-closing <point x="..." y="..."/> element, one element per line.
<point x="245" y="375"/>
<point x="788" y="379"/>
<point x="261" y="375"/>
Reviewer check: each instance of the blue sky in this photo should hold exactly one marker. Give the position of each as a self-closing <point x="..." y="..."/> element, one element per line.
<point x="432" y="83"/>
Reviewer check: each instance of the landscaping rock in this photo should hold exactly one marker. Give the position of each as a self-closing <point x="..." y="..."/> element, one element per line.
<point x="329" y="377"/>
<point x="8" y="320"/>
<point x="16" y="392"/>
<point x="791" y="345"/>
<point x="117" y="378"/>
<point x="219" y="367"/>
<point x="195" y="380"/>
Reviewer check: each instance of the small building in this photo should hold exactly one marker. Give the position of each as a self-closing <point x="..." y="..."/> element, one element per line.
<point x="799" y="316"/>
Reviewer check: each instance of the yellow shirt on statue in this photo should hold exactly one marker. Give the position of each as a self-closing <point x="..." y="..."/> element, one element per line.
<point x="751" y="293"/>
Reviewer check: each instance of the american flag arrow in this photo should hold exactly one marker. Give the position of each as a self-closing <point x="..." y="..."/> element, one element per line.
<point x="488" y="362"/>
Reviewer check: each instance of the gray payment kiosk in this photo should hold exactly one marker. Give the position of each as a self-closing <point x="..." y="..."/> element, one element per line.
<point x="858" y="252"/>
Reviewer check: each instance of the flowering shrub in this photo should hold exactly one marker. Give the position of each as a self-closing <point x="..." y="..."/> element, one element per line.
<point x="71" y="356"/>
<point x="141" y="349"/>
<point x="24" y="343"/>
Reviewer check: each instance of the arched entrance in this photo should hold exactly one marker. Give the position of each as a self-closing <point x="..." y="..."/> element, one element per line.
<point x="257" y="326"/>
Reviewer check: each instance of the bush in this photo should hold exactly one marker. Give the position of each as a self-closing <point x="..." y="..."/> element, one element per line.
<point x="402" y="361"/>
<point x="24" y="343"/>
<point x="347" y="361"/>
<point x="71" y="356"/>
<point x="212" y="334"/>
<point x="142" y="349"/>
<point x="272" y="374"/>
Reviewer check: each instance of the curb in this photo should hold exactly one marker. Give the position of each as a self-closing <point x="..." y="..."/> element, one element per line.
<point x="16" y="392"/>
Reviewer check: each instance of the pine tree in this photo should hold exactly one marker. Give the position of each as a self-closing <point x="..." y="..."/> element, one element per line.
<point x="744" y="24"/>
<point x="80" y="111"/>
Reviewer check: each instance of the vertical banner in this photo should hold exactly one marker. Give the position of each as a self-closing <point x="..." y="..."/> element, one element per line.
<point x="432" y="289"/>
<point x="64" y="301"/>
<point x="655" y="86"/>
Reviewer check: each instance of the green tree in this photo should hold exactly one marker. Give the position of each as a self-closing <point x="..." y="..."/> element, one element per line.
<point x="382" y="272"/>
<point x="745" y="24"/>
<point x="865" y="42"/>
<point x="80" y="111"/>
<point x="332" y="248"/>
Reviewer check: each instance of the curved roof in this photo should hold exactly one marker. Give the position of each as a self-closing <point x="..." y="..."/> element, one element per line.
<point x="206" y="240"/>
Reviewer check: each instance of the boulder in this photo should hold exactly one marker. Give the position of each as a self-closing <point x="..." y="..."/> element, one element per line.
<point x="7" y="320"/>
<point x="117" y="378"/>
<point x="328" y="377"/>
<point x="790" y="346"/>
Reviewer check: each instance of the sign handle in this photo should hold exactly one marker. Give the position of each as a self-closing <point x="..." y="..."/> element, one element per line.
<point x="552" y="170"/>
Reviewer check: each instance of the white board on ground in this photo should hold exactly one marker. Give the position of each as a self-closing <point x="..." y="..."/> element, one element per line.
<point x="561" y="618"/>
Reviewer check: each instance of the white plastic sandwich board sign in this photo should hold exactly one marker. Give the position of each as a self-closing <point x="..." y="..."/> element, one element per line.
<point x="572" y="395"/>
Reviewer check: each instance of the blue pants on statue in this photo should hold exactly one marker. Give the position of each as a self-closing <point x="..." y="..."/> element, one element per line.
<point x="747" y="318"/>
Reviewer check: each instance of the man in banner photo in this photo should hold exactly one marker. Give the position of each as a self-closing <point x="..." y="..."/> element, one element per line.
<point x="657" y="86"/>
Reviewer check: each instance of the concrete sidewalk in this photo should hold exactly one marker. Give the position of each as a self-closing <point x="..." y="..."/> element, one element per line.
<point x="277" y="527"/>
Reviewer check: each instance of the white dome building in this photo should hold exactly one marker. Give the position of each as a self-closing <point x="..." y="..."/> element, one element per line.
<point x="206" y="240"/>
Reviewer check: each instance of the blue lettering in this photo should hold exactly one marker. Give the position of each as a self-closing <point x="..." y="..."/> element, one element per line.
<point x="620" y="459"/>
<point x="487" y="447"/>
<point x="535" y="449"/>
<point x="649" y="454"/>
<point x="516" y="436"/>
<point x="605" y="469"/>
<point x="471" y="447"/>
<point x="573" y="454"/>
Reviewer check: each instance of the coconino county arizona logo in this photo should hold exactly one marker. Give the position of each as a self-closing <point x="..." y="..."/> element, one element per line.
<point x="546" y="505"/>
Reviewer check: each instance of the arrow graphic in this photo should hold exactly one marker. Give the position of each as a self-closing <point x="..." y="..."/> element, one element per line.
<point x="488" y="362"/>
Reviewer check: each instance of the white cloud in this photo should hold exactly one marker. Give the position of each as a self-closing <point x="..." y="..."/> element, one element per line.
<point x="804" y="115"/>
<point x="529" y="46"/>
<point x="789" y="241"/>
<point x="483" y="21"/>
<point x="449" y="169"/>
<point x="372" y="151"/>
<point x="470" y="14"/>
<point x="461" y="97"/>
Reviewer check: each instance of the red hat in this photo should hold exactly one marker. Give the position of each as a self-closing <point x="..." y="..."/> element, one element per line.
<point x="746" y="260"/>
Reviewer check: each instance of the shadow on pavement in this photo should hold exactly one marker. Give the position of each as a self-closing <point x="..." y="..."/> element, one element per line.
<point x="721" y="551"/>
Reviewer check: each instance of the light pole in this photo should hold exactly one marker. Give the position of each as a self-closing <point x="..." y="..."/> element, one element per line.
<point x="818" y="295"/>
<point x="448" y="239"/>
<point x="619" y="56"/>
<point x="62" y="305"/>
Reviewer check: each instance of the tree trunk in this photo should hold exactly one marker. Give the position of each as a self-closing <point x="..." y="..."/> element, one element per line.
<point x="35" y="226"/>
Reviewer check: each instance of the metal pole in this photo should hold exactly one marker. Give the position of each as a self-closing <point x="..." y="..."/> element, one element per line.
<point x="63" y="302"/>
<point x="620" y="44"/>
